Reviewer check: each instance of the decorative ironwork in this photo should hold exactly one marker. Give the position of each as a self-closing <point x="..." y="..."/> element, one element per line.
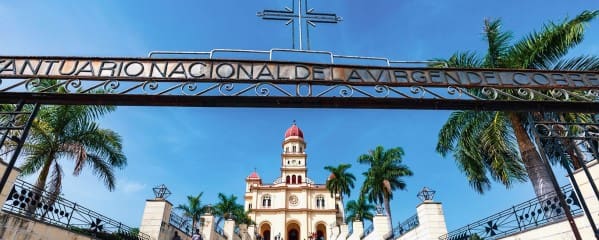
<point x="183" y="224"/>
<point x="14" y="126"/>
<point x="264" y="93"/>
<point x="426" y="194"/>
<point x="528" y="215"/>
<point x="33" y="203"/>
<point x="406" y="226"/>
<point x="161" y="191"/>
<point x="220" y="231"/>
<point x="260" y="83"/>
<point x="303" y="13"/>
<point x="567" y="130"/>
<point x="379" y="209"/>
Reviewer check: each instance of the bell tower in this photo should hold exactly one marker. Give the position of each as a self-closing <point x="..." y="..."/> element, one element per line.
<point x="293" y="158"/>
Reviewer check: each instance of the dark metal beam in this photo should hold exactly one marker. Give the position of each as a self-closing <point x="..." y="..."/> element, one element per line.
<point x="298" y="102"/>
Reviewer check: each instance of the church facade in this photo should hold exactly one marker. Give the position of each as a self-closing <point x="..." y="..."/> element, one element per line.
<point x="292" y="207"/>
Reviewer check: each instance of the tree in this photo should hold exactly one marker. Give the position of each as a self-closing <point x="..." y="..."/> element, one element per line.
<point x="241" y="216"/>
<point x="496" y="145"/>
<point x="384" y="175"/>
<point x="340" y="182"/>
<point x="193" y="209"/>
<point x="359" y="209"/>
<point x="225" y="207"/>
<point x="70" y="133"/>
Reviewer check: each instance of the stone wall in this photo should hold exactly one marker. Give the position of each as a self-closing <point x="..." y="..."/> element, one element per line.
<point x="155" y="220"/>
<point x="431" y="222"/>
<point x="11" y="180"/>
<point x="15" y="227"/>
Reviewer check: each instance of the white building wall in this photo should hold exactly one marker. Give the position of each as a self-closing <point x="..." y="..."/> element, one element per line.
<point x="562" y="230"/>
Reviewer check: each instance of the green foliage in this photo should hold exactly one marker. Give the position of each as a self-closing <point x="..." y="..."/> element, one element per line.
<point x="483" y="143"/>
<point x="384" y="175"/>
<point x="70" y="133"/>
<point x="475" y="237"/>
<point x="385" y="165"/>
<point x="228" y="208"/>
<point x="341" y="182"/>
<point x="133" y="235"/>
<point x="193" y="209"/>
<point x="360" y="208"/>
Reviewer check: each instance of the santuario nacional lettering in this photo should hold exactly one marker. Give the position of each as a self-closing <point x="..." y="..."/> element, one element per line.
<point x="248" y="71"/>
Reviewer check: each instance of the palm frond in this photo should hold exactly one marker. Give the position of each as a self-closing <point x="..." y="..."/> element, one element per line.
<point x="497" y="41"/>
<point x="458" y="60"/>
<point x="580" y="63"/>
<point x="543" y="49"/>
<point x="102" y="170"/>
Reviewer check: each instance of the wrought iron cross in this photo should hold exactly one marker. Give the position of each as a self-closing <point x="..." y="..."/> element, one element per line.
<point x="300" y="15"/>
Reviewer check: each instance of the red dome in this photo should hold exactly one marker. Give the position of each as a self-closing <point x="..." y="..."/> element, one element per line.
<point x="254" y="175"/>
<point x="294" y="131"/>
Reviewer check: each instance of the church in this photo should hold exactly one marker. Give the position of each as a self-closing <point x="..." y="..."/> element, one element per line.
<point x="292" y="207"/>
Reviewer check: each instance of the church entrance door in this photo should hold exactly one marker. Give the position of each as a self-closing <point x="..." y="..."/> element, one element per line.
<point x="293" y="231"/>
<point x="293" y="234"/>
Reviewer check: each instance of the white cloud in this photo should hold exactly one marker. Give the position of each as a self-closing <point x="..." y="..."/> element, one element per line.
<point x="130" y="187"/>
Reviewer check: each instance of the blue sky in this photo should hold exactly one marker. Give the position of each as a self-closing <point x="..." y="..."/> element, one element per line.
<point x="212" y="150"/>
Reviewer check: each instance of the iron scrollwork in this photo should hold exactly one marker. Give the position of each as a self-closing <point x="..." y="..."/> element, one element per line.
<point x="406" y="226"/>
<point x="528" y="215"/>
<point x="183" y="224"/>
<point x="27" y="201"/>
<point x="306" y="90"/>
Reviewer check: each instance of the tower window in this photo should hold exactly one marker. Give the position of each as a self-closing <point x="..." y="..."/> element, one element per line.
<point x="293" y="179"/>
<point x="299" y="179"/>
<point x="250" y="206"/>
<point x="287" y="180"/>
<point x="294" y="148"/>
<point x="300" y="162"/>
<point x="301" y="149"/>
<point x="266" y="202"/>
<point x="286" y="149"/>
<point x="319" y="201"/>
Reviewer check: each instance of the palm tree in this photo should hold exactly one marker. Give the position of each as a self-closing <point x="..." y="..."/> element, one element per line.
<point x="358" y="210"/>
<point x="241" y="216"/>
<point x="225" y="207"/>
<point x="70" y="133"/>
<point x="193" y="209"/>
<point x="496" y="145"/>
<point x="340" y="182"/>
<point x="384" y="175"/>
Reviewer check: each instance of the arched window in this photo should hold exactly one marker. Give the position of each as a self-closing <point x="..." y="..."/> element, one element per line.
<point x="286" y="149"/>
<point x="266" y="201"/>
<point x="319" y="201"/>
<point x="301" y="149"/>
<point x="250" y="206"/>
<point x="299" y="179"/>
<point x="287" y="180"/>
<point x="293" y="179"/>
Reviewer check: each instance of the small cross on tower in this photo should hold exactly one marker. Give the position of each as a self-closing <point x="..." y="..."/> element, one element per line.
<point x="300" y="15"/>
